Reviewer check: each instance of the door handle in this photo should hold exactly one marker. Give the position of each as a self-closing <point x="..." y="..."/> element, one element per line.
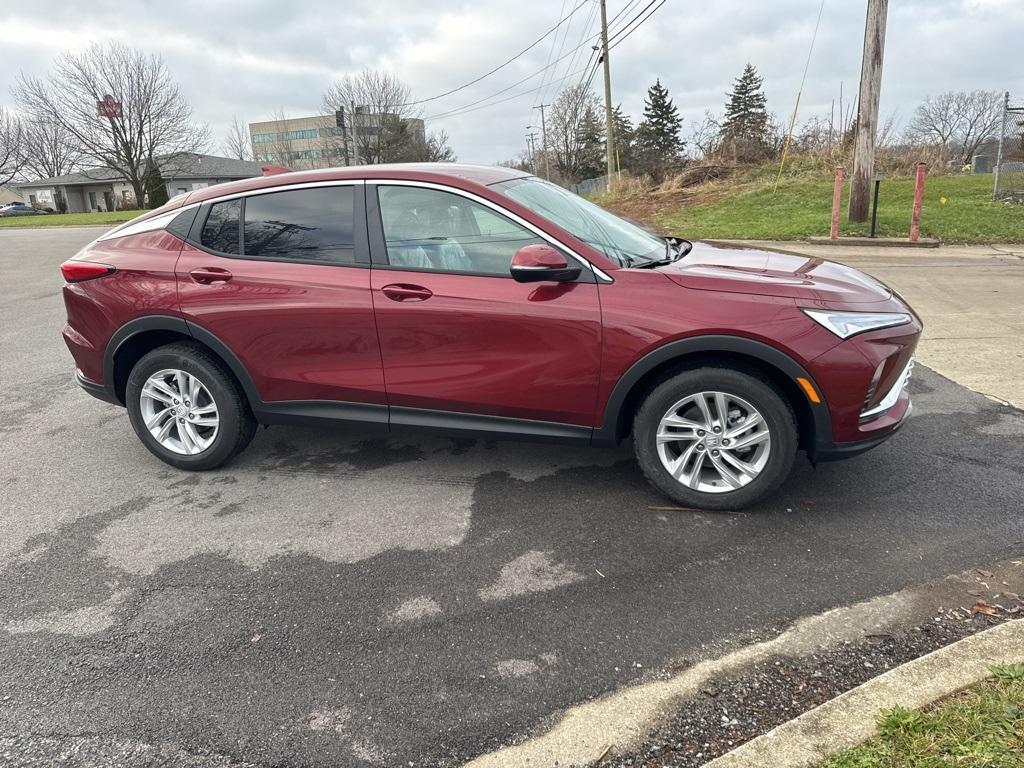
<point x="210" y="275"/>
<point x="406" y="292"/>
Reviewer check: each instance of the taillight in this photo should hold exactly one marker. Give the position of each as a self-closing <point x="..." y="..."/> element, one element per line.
<point x="78" y="271"/>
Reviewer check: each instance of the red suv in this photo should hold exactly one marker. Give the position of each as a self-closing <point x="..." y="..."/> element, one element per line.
<point x="484" y="301"/>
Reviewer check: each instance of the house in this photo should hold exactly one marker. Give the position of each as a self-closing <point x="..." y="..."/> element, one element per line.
<point x="8" y="195"/>
<point x="103" y="189"/>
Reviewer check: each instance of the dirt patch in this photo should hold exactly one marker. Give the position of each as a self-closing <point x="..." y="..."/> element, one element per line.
<point x="647" y="208"/>
<point x="736" y="710"/>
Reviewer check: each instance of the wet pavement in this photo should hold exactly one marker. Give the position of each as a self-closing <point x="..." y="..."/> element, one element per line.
<point x="340" y="598"/>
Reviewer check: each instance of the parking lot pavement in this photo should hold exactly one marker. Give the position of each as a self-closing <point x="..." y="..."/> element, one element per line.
<point x="338" y="598"/>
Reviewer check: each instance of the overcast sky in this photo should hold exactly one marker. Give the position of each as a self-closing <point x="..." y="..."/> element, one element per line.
<point x="254" y="57"/>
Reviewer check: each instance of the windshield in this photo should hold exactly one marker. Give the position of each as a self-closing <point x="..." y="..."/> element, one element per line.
<point x="624" y="243"/>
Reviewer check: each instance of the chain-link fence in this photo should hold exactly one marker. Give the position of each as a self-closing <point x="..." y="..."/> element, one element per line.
<point x="595" y="186"/>
<point x="1009" y="167"/>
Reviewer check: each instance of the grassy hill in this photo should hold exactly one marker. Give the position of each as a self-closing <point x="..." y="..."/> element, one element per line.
<point x="956" y="208"/>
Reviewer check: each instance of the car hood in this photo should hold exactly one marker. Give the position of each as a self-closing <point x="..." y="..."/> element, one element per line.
<point x="738" y="269"/>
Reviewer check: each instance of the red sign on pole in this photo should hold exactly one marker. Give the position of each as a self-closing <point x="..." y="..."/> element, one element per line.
<point x="108" y="107"/>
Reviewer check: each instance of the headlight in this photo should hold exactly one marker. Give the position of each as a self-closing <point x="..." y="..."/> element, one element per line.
<point x="847" y="324"/>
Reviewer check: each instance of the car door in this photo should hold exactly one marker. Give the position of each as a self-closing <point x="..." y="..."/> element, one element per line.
<point x="282" y="278"/>
<point x="459" y="336"/>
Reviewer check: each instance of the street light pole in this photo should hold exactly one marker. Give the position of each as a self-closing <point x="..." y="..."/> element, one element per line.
<point x="544" y="141"/>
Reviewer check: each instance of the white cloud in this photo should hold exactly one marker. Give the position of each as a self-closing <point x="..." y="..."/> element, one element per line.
<point x="251" y="57"/>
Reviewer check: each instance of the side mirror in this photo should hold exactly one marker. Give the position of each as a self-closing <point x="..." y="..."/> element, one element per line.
<point x="539" y="263"/>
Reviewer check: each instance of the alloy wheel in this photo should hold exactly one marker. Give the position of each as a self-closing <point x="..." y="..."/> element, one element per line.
<point x="179" y="411"/>
<point x="713" y="442"/>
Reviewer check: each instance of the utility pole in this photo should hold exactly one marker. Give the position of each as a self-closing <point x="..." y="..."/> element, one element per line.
<point x="609" y="142"/>
<point x="544" y="141"/>
<point x="531" y="141"/>
<point x="867" y="109"/>
<point x="355" y="133"/>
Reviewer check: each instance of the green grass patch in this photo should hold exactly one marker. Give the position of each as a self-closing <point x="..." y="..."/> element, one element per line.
<point x="956" y="208"/>
<point x="982" y="727"/>
<point x="70" y="219"/>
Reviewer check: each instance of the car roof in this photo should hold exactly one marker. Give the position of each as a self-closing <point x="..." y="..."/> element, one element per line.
<point x="458" y="173"/>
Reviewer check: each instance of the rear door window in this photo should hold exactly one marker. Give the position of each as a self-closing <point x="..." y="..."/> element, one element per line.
<point x="220" y="231"/>
<point x="301" y="225"/>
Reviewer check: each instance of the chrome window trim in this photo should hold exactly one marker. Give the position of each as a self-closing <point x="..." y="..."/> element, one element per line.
<point x="161" y="221"/>
<point x="498" y="209"/>
<point x="892" y="395"/>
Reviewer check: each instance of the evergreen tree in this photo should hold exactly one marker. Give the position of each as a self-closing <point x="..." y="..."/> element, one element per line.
<point x="155" y="188"/>
<point x="624" y="140"/>
<point x="658" y="133"/>
<point x="745" y="126"/>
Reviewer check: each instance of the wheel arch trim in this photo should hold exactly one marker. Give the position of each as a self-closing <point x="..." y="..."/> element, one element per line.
<point x="609" y="432"/>
<point x="140" y="325"/>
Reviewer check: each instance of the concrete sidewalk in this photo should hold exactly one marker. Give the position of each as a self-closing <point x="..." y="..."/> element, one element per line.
<point x="971" y="298"/>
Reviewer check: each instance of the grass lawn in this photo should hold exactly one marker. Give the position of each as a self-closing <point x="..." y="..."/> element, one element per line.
<point x="982" y="727"/>
<point x="956" y="208"/>
<point x="70" y="219"/>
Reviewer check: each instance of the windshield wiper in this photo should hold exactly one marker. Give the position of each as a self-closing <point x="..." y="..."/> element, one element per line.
<point x="671" y="256"/>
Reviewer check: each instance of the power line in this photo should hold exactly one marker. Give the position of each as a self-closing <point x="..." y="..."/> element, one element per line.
<point x="590" y="67"/>
<point x="503" y="64"/>
<point x="637" y="26"/>
<point x="472" y="106"/>
<point x="521" y="81"/>
<point x="551" y="52"/>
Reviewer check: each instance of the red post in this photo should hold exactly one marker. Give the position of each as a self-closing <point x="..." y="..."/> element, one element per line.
<point x="915" y="216"/>
<point x="837" y="199"/>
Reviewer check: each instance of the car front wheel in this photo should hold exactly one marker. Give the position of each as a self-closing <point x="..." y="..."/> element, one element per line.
<point x="715" y="438"/>
<point x="187" y="409"/>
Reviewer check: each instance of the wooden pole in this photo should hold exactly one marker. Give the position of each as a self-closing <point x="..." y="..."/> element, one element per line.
<point x="609" y="140"/>
<point x="915" y="214"/>
<point x="867" y="109"/>
<point x="837" y="203"/>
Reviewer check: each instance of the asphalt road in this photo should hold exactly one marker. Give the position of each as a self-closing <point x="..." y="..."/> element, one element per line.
<point x="335" y="599"/>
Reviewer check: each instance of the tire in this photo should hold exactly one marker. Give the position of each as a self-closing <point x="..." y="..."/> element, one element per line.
<point x="771" y="456"/>
<point x="202" y="446"/>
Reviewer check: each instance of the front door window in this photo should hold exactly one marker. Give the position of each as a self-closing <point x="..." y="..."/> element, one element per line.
<point x="428" y="229"/>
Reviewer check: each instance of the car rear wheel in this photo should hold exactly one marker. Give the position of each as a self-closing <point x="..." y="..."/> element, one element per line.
<point x="187" y="409"/>
<point x="715" y="438"/>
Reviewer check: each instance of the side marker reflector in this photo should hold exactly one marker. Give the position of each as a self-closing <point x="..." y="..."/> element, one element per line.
<point x="808" y="389"/>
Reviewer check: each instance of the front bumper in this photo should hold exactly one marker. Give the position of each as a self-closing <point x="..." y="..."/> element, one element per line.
<point x="895" y="418"/>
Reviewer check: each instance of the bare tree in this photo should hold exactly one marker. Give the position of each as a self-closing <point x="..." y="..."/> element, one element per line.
<point x="47" y="149"/>
<point x="382" y="113"/>
<point x="152" y="125"/>
<point x="575" y="135"/>
<point x="705" y="136"/>
<point x="11" y="157"/>
<point x="237" y="143"/>
<point x="277" y="147"/>
<point x="957" y="121"/>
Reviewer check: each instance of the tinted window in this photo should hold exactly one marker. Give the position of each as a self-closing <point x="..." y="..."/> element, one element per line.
<point x="430" y="229"/>
<point x="220" y="232"/>
<point x="182" y="223"/>
<point x="303" y="224"/>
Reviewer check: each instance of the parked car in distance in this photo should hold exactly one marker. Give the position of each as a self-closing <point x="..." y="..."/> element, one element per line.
<point x="20" y="209"/>
<point x="483" y="301"/>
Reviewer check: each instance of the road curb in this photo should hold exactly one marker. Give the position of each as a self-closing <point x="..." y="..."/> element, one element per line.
<point x="849" y="719"/>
